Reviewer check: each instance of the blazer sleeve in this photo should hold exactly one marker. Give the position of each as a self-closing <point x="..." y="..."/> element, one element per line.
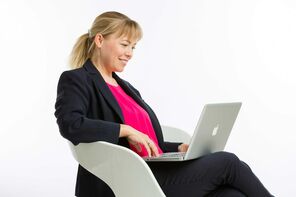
<point x="71" y="108"/>
<point x="171" y="146"/>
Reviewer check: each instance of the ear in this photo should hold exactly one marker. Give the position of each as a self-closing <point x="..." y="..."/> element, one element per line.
<point x="99" y="40"/>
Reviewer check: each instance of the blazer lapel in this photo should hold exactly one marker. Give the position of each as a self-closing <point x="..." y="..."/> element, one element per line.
<point x="103" y="87"/>
<point x="124" y="85"/>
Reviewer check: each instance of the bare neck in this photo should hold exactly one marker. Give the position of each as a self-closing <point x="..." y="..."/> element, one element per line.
<point x="106" y="74"/>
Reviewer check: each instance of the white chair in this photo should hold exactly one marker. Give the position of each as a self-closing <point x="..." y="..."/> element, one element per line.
<point x="116" y="164"/>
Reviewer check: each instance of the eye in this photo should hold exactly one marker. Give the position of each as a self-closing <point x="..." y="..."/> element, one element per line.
<point x="123" y="44"/>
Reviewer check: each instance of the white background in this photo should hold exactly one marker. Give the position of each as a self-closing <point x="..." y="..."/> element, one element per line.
<point x="192" y="53"/>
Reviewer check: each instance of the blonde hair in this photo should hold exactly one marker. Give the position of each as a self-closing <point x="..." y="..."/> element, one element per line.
<point x="106" y="24"/>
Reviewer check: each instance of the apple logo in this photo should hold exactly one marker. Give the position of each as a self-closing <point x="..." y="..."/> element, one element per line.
<point x="215" y="130"/>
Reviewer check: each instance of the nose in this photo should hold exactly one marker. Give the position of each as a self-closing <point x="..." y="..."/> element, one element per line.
<point x="129" y="53"/>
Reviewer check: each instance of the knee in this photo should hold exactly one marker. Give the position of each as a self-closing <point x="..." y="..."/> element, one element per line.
<point x="227" y="157"/>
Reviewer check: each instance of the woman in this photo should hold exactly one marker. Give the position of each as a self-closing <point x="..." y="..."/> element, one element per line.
<point x="94" y="104"/>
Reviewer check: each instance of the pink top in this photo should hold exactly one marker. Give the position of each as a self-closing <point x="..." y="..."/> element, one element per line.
<point x="135" y="116"/>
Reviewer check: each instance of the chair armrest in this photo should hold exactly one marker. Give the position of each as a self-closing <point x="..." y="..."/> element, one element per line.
<point x="172" y="134"/>
<point x="126" y="173"/>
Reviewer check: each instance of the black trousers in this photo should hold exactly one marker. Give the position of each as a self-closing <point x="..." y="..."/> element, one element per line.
<point x="217" y="174"/>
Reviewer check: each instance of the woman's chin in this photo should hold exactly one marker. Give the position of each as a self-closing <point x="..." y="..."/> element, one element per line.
<point x="120" y="69"/>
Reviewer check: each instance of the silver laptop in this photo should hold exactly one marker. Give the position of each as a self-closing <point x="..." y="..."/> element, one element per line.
<point x="210" y="135"/>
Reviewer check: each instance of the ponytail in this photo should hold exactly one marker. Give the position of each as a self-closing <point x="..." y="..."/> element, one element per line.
<point x="80" y="52"/>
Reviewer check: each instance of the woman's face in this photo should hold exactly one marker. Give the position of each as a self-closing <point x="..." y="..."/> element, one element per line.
<point x="115" y="52"/>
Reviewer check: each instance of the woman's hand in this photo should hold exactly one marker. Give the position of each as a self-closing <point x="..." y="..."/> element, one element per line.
<point x="137" y="138"/>
<point x="183" y="147"/>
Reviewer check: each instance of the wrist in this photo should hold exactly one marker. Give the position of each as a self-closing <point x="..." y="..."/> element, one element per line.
<point x="124" y="130"/>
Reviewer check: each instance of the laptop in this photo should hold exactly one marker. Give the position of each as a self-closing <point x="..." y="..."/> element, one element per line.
<point x="210" y="135"/>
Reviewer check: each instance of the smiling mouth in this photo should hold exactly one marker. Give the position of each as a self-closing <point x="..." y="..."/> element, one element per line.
<point x="124" y="61"/>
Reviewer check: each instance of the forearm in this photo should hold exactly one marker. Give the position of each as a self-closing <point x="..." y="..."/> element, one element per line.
<point x="84" y="130"/>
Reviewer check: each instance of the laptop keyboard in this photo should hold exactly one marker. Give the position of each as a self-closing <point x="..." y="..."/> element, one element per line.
<point x="173" y="154"/>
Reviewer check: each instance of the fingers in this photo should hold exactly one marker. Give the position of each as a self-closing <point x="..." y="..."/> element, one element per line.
<point x="150" y="146"/>
<point x="137" y="138"/>
<point x="138" y="147"/>
<point x="183" y="148"/>
<point x="154" y="149"/>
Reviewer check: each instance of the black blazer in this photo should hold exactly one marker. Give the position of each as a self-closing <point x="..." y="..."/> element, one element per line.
<point x="87" y="111"/>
